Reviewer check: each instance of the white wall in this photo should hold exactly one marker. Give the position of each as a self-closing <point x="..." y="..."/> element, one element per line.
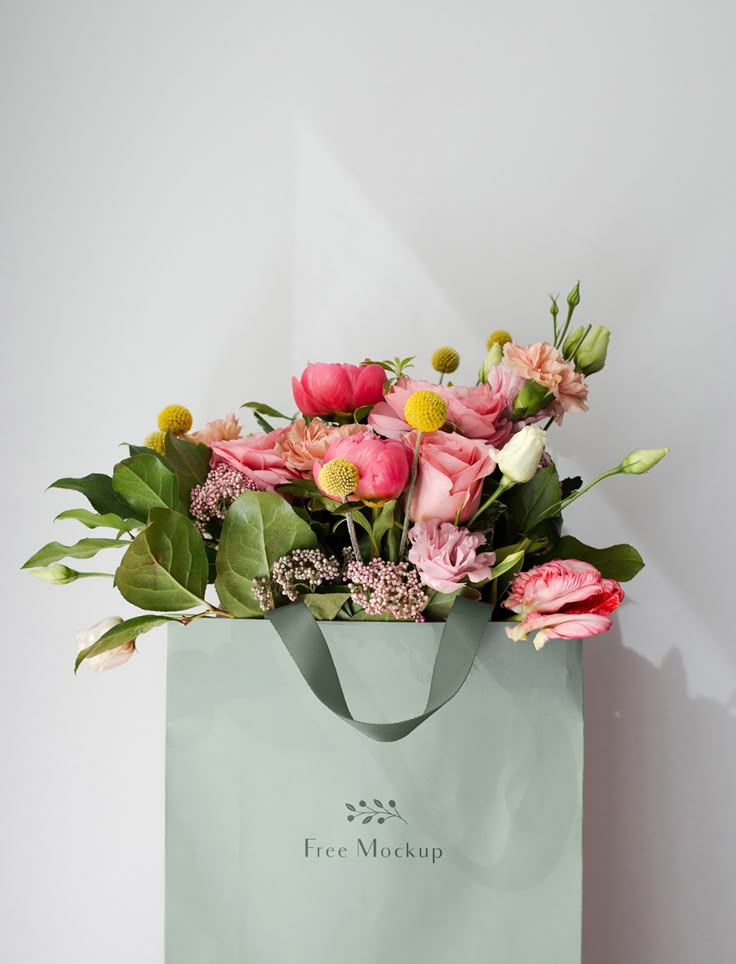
<point x="197" y="198"/>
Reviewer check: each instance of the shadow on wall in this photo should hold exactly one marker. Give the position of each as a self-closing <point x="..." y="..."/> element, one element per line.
<point x="659" y="842"/>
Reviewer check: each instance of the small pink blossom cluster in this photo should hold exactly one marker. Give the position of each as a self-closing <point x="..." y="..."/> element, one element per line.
<point x="213" y="498"/>
<point x="387" y="587"/>
<point x="305" y="568"/>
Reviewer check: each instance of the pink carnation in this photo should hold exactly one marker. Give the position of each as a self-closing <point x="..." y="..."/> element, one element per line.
<point x="256" y="457"/>
<point x="544" y="364"/>
<point x="445" y="555"/>
<point x="565" y="599"/>
<point x="302" y="444"/>
<point x="219" y="430"/>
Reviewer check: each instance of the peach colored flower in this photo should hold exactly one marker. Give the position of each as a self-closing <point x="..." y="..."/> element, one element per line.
<point x="450" y="474"/>
<point x="544" y="364"/>
<point x="445" y="555"/>
<point x="219" y="430"/>
<point x="302" y="444"/>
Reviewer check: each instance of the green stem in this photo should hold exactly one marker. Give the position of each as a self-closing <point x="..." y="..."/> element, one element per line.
<point x="579" y="343"/>
<point x="503" y="485"/>
<point x="410" y="495"/>
<point x="559" y="341"/>
<point x="564" y="503"/>
<point x="87" y="575"/>
<point x="353" y="534"/>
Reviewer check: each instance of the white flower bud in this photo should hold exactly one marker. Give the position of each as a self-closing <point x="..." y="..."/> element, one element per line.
<point x="519" y="458"/>
<point x="113" y="657"/>
<point x="642" y="460"/>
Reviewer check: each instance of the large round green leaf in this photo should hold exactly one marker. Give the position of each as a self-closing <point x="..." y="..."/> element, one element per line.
<point x="165" y="568"/>
<point x="259" y="528"/>
<point x="146" y="483"/>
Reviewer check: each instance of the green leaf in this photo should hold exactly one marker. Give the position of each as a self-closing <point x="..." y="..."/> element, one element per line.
<point x="264" y="409"/>
<point x="146" y="483"/>
<point x="512" y="560"/>
<point x="259" y="528"/>
<point x="165" y="568"/>
<point x="528" y="502"/>
<point x="93" y="521"/>
<point x="144" y="450"/>
<point x="621" y="562"/>
<point x="97" y="489"/>
<point x="360" y="414"/>
<point x="123" y="633"/>
<point x="306" y="488"/>
<point x="439" y="605"/>
<point x="190" y="461"/>
<point x="384" y="522"/>
<point x="262" y="423"/>
<point x="326" y="605"/>
<point x="84" y="549"/>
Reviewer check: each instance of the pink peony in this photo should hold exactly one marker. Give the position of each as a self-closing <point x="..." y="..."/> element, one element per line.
<point x="324" y="389"/>
<point x="445" y="554"/>
<point x="544" y="364"/>
<point x="450" y="475"/>
<point x="383" y="466"/>
<point x="220" y="430"/>
<point x="387" y="417"/>
<point x="256" y="457"/>
<point x="565" y="599"/>
<point x="301" y="444"/>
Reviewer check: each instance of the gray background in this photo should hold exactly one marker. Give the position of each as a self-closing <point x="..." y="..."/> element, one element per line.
<point x="197" y="199"/>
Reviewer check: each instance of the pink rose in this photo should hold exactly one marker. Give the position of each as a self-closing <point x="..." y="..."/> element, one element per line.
<point x="387" y="417"/>
<point x="450" y="475"/>
<point x="301" y="444"/>
<point x="256" y="457"/>
<point x="324" y="389"/>
<point x="220" y="430"/>
<point x="481" y="412"/>
<point x="445" y="554"/>
<point x="565" y="599"/>
<point x="383" y="466"/>
<point x="544" y="364"/>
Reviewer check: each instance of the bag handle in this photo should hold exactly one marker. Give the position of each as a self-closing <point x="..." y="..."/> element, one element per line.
<point x="301" y="635"/>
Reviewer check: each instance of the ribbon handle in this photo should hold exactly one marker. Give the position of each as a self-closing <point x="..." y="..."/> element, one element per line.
<point x="301" y="635"/>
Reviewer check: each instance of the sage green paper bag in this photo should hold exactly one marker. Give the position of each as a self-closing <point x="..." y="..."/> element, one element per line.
<point x="293" y="838"/>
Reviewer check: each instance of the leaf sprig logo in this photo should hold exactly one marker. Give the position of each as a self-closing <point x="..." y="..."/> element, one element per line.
<point x="381" y="813"/>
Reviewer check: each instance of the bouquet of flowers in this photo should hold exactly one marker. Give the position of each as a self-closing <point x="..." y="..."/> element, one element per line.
<point x="382" y="498"/>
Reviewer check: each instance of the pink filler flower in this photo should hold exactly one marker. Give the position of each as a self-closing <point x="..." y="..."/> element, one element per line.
<point x="445" y="555"/>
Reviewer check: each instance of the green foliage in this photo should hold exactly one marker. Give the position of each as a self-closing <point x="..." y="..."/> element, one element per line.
<point x="527" y="504"/>
<point x="190" y="462"/>
<point x="123" y="633"/>
<point x="165" y="568"/>
<point x="94" y="521"/>
<point x="326" y="605"/>
<point x="84" y="549"/>
<point x="98" y="490"/>
<point x="621" y="562"/>
<point x="259" y="528"/>
<point x="146" y="483"/>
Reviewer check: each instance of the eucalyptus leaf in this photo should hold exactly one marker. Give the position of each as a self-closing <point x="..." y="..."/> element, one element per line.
<point x="123" y="633"/>
<point x="165" y="568"/>
<point x="84" y="549"/>
<point x="190" y="462"/>
<point x="259" y="528"/>
<point x="98" y="490"/>
<point x="621" y="562"/>
<point x="94" y="521"/>
<point x="146" y="483"/>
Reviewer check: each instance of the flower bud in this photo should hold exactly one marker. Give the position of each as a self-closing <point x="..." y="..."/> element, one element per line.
<point x="573" y="299"/>
<point x="590" y="354"/>
<point x="519" y="459"/>
<point x="531" y="399"/>
<point x="553" y="307"/>
<point x="642" y="460"/>
<point x="493" y="358"/>
<point x="573" y="341"/>
<point x="113" y="657"/>
<point x="57" y="574"/>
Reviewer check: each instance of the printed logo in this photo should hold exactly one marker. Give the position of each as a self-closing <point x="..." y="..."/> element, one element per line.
<point x="381" y="813"/>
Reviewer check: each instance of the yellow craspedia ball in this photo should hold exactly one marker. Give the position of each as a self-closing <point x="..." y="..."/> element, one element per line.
<point x="425" y="410"/>
<point x="445" y="360"/>
<point x="156" y="441"/>
<point x="175" y="419"/>
<point x="499" y="337"/>
<point x="338" y="478"/>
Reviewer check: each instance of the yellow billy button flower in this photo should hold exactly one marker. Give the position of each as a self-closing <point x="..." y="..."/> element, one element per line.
<point x="175" y="419"/>
<point x="156" y="441"/>
<point x="499" y="337"/>
<point x="445" y="360"/>
<point x="338" y="478"/>
<point x="425" y="410"/>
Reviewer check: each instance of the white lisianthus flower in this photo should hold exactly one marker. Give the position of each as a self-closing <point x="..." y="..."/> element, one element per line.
<point x="113" y="657"/>
<point x="519" y="458"/>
